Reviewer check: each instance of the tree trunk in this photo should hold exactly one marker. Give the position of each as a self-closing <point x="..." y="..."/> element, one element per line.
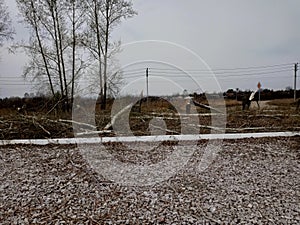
<point x="73" y="52"/>
<point x="99" y="50"/>
<point x="107" y="17"/>
<point x="60" y="37"/>
<point x="57" y="47"/>
<point x="42" y="50"/>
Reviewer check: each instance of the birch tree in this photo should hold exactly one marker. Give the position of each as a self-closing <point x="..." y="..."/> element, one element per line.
<point x="68" y="35"/>
<point x="52" y="48"/>
<point x="105" y="15"/>
<point x="6" y="29"/>
<point x="35" y="49"/>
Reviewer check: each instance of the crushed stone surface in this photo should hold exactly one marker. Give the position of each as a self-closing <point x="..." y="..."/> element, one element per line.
<point x="250" y="181"/>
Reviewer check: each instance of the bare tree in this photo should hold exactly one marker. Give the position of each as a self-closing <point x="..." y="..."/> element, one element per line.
<point x="53" y="47"/>
<point x="77" y="19"/>
<point x="62" y="33"/>
<point x="105" y="15"/>
<point x="36" y="47"/>
<point x="115" y="11"/>
<point x="6" y="30"/>
<point x="114" y="75"/>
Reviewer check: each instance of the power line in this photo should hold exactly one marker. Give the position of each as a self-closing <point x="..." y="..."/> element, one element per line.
<point x="218" y="72"/>
<point x="256" y="74"/>
<point x="229" y="69"/>
<point x="156" y="73"/>
<point x="140" y="71"/>
<point x="257" y="67"/>
<point x="222" y="74"/>
<point x="238" y="71"/>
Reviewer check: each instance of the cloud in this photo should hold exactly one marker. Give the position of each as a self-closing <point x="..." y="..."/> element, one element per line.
<point x="226" y="34"/>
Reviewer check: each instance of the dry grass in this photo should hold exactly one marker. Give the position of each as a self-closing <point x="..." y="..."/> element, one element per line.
<point x="274" y="115"/>
<point x="231" y="103"/>
<point x="281" y="102"/>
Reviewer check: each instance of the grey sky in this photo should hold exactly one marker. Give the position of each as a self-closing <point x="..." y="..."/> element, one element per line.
<point x="225" y="34"/>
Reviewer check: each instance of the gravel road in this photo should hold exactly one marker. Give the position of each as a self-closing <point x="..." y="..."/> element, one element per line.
<point x="251" y="181"/>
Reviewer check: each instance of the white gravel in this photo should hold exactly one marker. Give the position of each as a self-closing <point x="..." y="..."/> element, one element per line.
<point x="251" y="181"/>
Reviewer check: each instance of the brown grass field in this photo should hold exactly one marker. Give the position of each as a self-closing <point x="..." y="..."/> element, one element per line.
<point x="273" y="115"/>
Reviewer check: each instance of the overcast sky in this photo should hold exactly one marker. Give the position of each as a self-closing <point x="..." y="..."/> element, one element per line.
<point x="224" y="34"/>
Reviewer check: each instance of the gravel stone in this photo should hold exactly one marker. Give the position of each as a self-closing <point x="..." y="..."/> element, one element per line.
<point x="251" y="181"/>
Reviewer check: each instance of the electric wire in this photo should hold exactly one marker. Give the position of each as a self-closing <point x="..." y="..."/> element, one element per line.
<point x="266" y="71"/>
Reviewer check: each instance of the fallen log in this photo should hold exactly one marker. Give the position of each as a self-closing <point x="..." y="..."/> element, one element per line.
<point x="94" y="132"/>
<point x="113" y="120"/>
<point x="78" y="123"/>
<point x="206" y="107"/>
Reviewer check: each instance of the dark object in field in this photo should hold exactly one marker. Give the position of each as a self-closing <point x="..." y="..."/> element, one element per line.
<point x="188" y="108"/>
<point x="23" y="109"/>
<point x="298" y="104"/>
<point x="249" y="98"/>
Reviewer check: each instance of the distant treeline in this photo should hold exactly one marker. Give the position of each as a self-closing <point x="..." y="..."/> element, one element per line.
<point x="265" y="94"/>
<point x="42" y="103"/>
<point x="28" y="103"/>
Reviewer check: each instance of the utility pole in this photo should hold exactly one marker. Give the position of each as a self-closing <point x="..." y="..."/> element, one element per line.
<point x="147" y="83"/>
<point x="295" y="81"/>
